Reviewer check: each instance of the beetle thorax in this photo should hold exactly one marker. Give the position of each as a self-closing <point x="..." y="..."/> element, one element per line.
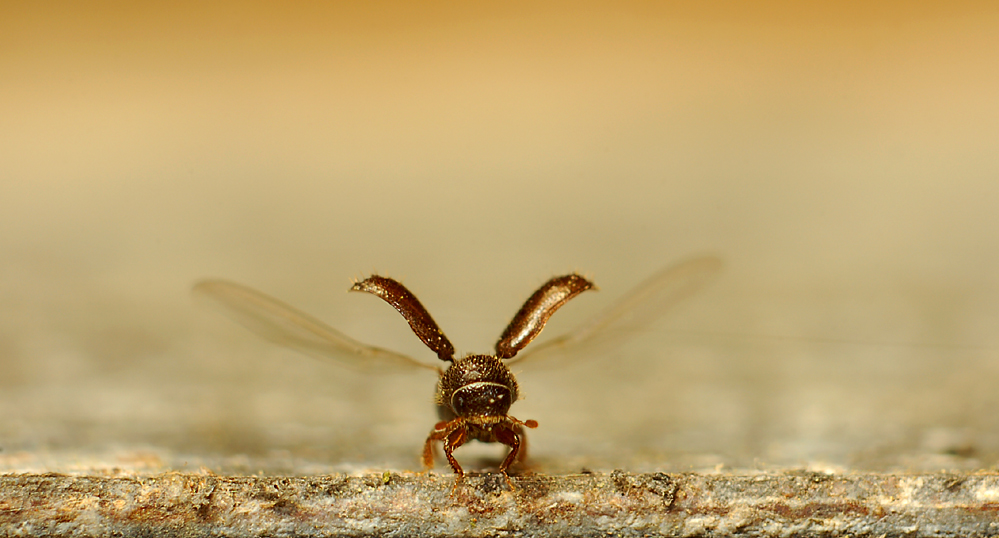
<point x="477" y="385"/>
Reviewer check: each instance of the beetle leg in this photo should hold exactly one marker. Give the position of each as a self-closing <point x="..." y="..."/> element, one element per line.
<point x="452" y="434"/>
<point x="428" y="452"/>
<point x="436" y="434"/>
<point x="510" y="435"/>
<point x="441" y="432"/>
<point x="456" y="437"/>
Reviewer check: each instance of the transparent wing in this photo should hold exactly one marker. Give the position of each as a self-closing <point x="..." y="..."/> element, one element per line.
<point x="277" y="322"/>
<point x="633" y="312"/>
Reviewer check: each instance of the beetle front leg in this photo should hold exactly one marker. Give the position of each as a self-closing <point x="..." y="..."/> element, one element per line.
<point x="452" y="434"/>
<point x="511" y="434"/>
<point x="455" y="438"/>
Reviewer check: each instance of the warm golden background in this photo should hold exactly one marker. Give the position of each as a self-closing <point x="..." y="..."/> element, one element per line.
<point x="842" y="157"/>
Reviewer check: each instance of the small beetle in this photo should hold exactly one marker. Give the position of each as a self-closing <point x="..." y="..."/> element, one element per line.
<point x="475" y="392"/>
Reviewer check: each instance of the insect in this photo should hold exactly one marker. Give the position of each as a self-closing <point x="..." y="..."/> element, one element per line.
<point x="474" y="393"/>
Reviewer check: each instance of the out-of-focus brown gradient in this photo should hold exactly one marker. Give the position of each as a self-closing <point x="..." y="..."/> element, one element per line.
<point x="842" y="157"/>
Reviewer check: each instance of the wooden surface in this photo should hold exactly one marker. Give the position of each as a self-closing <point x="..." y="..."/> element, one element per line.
<point x="615" y="504"/>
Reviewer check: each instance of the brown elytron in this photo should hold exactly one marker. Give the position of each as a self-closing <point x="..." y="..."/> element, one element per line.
<point x="475" y="392"/>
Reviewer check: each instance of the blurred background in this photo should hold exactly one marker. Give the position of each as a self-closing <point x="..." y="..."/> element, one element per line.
<point x="842" y="158"/>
